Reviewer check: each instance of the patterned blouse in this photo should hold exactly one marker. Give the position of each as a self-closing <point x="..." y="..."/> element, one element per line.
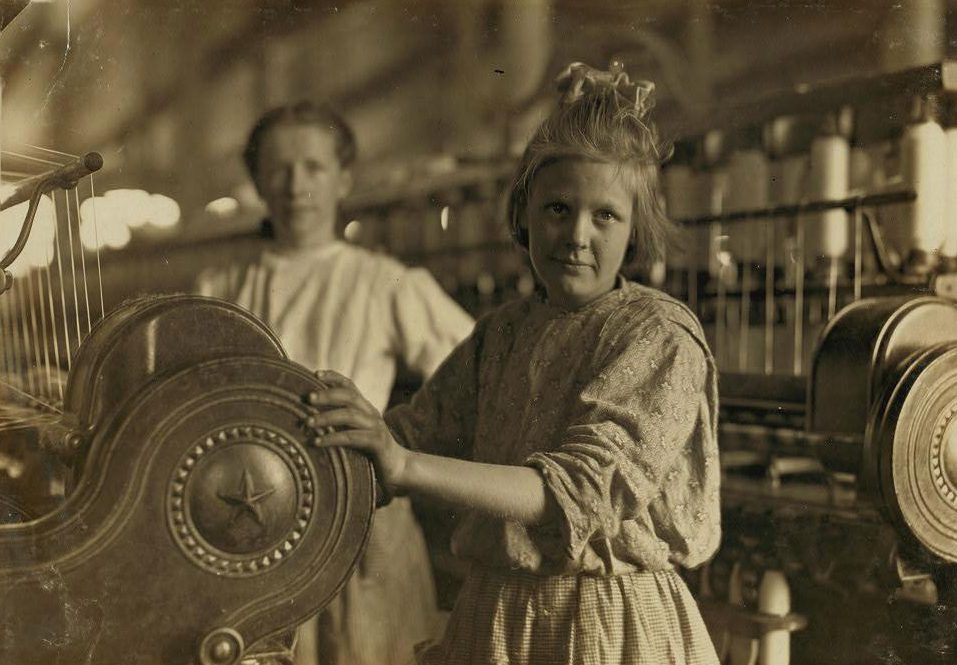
<point x="615" y="403"/>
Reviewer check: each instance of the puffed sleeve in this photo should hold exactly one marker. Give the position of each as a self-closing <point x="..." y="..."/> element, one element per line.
<point x="210" y="282"/>
<point x="224" y="277"/>
<point x="217" y="282"/>
<point x="440" y="417"/>
<point x="645" y="418"/>
<point x="428" y="322"/>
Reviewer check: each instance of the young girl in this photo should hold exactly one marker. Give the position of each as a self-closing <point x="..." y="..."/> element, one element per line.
<point x="575" y="429"/>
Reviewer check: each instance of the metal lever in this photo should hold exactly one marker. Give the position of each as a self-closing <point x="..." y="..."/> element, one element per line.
<point x="63" y="177"/>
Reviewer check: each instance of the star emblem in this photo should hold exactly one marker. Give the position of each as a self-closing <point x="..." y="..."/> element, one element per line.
<point x="247" y="500"/>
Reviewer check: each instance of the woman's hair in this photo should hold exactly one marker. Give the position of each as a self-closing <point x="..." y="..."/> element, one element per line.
<point x="301" y="113"/>
<point x="602" y="116"/>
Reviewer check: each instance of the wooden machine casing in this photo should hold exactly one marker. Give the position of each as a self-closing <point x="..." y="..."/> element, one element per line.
<point x="200" y="521"/>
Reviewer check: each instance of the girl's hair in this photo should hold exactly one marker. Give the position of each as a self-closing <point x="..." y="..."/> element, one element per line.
<point x="602" y="116"/>
<point x="301" y="113"/>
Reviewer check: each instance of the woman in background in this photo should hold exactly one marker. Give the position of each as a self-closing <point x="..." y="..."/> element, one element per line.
<point x="337" y="306"/>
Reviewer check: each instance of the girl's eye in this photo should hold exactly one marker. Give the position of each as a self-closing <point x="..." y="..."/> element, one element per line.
<point x="557" y="209"/>
<point x="606" y="216"/>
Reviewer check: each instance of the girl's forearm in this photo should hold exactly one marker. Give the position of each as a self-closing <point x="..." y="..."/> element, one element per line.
<point x="513" y="492"/>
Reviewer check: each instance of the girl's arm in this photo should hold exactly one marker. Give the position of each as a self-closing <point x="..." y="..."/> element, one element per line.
<point x="512" y="492"/>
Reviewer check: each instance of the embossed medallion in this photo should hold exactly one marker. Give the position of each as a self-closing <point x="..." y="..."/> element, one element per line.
<point x="920" y="453"/>
<point x="240" y="500"/>
<point x="943" y="457"/>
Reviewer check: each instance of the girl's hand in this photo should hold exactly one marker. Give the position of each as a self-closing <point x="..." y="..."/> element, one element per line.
<point x="348" y="419"/>
<point x="345" y="418"/>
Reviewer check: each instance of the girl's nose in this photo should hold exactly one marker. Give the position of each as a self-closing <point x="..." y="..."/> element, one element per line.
<point x="580" y="228"/>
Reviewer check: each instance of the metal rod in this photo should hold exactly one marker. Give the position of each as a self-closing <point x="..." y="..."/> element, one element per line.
<point x="6" y="349"/>
<point x="795" y="210"/>
<point x="10" y="300"/>
<point x="32" y="398"/>
<point x="32" y="158"/>
<point x="769" y="306"/>
<point x="40" y="148"/>
<point x="43" y="328"/>
<point x="858" y="252"/>
<point x="25" y="338"/>
<point x="96" y="238"/>
<point x="34" y="328"/>
<point x="73" y="275"/>
<point x="53" y="330"/>
<point x="64" y="177"/>
<point x="744" y="316"/>
<point x="799" y="301"/>
<point x="28" y="423"/>
<point x="832" y="272"/>
<point x="693" y="288"/>
<point x="21" y="242"/>
<point x="720" y="315"/>
<point x="59" y="263"/>
<point x="86" y="286"/>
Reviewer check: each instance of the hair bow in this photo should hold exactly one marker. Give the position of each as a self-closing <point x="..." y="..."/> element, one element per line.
<point x="578" y="78"/>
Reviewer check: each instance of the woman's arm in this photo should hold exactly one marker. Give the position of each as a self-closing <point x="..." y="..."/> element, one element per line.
<point x="512" y="492"/>
<point x="428" y="322"/>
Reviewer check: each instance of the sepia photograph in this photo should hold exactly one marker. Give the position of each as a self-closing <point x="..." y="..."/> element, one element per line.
<point x="478" y="332"/>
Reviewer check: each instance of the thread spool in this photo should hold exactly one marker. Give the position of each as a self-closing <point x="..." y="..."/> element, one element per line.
<point x="716" y="630"/>
<point x="749" y="183"/>
<point x="788" y="141"/>
<point x="861" y="180"/>
<point x="501" y="259"/>
<point x="749" y="189"/>
<point x="774" y="597"/>
<point x="828" y="233"/>
<point x="924" y="168"/>
<point x="657" y="274"/>
<point x="913" y="34"/>
<point x="788" y="177"/>
<point x="885" y="176"/>
<point x="486" y="285"/>
<point x="713" y="189"/>
<point x="439" y="234"/>
<point x="948" y="251"/>
<point x="469" y="234"/>
<point x="680" y="184"/>
<point x="404" y="230"/>
<point x="860" y="171"/>
<point x="680" y="191"/>
<point x="722" y="271"/>
<point x="742" y="650"/>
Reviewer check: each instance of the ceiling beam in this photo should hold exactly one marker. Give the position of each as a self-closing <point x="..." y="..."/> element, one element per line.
<point x="9" y="9"/>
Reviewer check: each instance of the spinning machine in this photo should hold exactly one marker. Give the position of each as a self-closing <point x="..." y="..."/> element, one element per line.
<point x="159" y="501"/>
<point x="822" y="242"/>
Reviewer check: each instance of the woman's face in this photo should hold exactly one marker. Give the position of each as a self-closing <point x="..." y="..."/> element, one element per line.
<point x="579" y="220"/>
<point x="302" y="182"/>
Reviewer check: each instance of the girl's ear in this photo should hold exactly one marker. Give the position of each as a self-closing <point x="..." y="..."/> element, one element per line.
<point x="521" y="231"/>
<point x="631" y="252"/>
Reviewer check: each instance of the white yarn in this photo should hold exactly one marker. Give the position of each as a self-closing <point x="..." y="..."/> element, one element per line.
<point x="924" y="167"/>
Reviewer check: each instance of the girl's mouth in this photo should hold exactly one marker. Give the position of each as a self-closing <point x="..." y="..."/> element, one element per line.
<point x="571" y="262"/>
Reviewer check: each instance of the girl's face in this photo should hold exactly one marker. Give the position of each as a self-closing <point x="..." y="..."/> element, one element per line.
<point x="579" y="220"/>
